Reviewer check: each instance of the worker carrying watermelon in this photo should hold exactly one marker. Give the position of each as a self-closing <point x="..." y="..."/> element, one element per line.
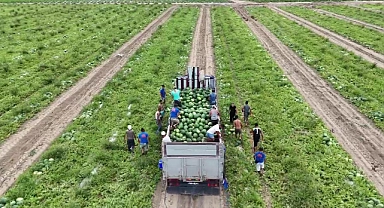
<point x="214" y="133"/>
<point x="143" y="141"/>
<point x="174" y="116"/>
<point x="176" y="96"/>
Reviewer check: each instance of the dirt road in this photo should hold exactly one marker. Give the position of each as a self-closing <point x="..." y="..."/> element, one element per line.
<point x="20" y="150"/>
<point x="356" y="133"/>
<point x="201" y="55"/>
<point x="367" y="54"/>
<point x="202" y="51"/>
<point x="354" y="21"/>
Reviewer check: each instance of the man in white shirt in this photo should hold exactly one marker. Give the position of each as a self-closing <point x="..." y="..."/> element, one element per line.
<point x="165" y="137"/>
<point x="212" y="131"/>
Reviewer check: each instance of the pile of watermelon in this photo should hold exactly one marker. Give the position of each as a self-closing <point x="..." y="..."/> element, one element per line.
<point x="194" y="116"/>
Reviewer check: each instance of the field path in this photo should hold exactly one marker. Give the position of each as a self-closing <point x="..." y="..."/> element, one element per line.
<point x="367" y="54"/>
<point x="354" y="21"/>
<point x="356" y="133"/>
<point x="202" y="56"/>
<point x="21" y="149"/>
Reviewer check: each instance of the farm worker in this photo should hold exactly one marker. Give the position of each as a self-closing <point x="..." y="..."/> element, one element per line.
<point x="161" y="108"/>
<point x="238" y="125"/>
<point x="158" y="121"/>
<point x="214" y="115"/>
<point x="260" y="161"/>
<point x="214" y="130"/>
<point x="162" y="93"/>
<point x="130" y="138"/>
<point x="174" y="115"/>
<point x="176" y="96"/>
<point x="232" y="112"/>
<point x="257" y="134"/>
<point x="144" y="141"/>
<point x="212" y="98"/>
<point x="165" y="137"/>
<point x="247" y="112"/>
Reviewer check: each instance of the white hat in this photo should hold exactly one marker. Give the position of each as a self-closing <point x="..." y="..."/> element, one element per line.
<point x="163" y="133"/>
<point x="129" y="127"/>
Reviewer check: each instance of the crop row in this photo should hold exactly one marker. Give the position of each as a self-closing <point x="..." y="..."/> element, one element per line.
<point x="65" y="46"/>
<point x="304" y="164"/>
<point x="379" y="7"/>
<point x="91" y="164"/>
<point x="356" y="13"/>
<point x="109" y="1"/>
<point x="244" y="187"/>
<point x="356" y="79"/>
<point x="364" y="36"/>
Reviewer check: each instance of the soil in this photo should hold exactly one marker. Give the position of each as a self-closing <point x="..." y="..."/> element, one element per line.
<point x="21" y="149"/>
<point x="355" y="132"/>
<point x="356" y="22"/>
<point x="202" y="56"/>
<point x="367" y="54"/>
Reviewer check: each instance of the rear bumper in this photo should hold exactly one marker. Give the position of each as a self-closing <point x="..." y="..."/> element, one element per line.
<point x="209" y="187"/>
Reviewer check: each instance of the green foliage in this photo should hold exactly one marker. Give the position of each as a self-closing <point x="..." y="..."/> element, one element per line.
<point x="356" y="13"/>
<point x="96" y="168"/>
<point x="369" y="38"/>
<point x="356" y="79"/>
<point x="301" y="169"/>
<point x="69" y="40"/>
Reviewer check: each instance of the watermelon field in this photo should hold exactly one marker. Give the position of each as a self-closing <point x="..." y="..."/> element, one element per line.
<point x="260" y="56"/>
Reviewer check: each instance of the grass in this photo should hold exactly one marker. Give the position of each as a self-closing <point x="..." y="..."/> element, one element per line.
<point x="301" y="170"/>
<point x="67" y="42"/>
<point x="366" y="37"/>
<point x="358" y="14"/>
<point x="356" y="79"/>
<point x="91" y="171"/>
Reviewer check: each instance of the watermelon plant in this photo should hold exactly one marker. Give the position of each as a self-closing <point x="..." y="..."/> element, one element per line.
<point x="92" y="166"/>
<point x="194" y="116"/>
<point x="356" y="13"/>
<point x="67" y="42"/>
<point x="356" y="79"/>
<point x="305" y="166"/>
<point x="369" y="38"/>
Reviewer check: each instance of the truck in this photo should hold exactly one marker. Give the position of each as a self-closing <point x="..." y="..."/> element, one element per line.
<point x="191" y="165"/>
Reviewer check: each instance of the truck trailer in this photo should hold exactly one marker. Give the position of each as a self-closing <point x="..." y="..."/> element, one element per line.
<point x="190" y="165"/>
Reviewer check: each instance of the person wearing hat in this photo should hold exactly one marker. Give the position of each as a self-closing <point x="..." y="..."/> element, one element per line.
<point x="176" y="96"/>
<point x="165" y="137"/>
<point x="130" y="138"/>
<point x="214" y="115"/>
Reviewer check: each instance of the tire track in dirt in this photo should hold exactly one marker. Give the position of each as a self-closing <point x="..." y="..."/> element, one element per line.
<point x="354" y="21"/>
<point x="367" y="54"/>
<point x="356" y="133"/>
<point x="201" y="55"/>
<point x="21" y="149"/>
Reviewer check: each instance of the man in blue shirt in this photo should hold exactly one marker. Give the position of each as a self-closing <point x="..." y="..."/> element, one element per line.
<point x="260" y="160"/>
<point x="212" y="98"/>
<point x="162" y="93"/>
<point x="144" y="141"/>
<point x="174" y="115"/>
<point x="176" y="96"/>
